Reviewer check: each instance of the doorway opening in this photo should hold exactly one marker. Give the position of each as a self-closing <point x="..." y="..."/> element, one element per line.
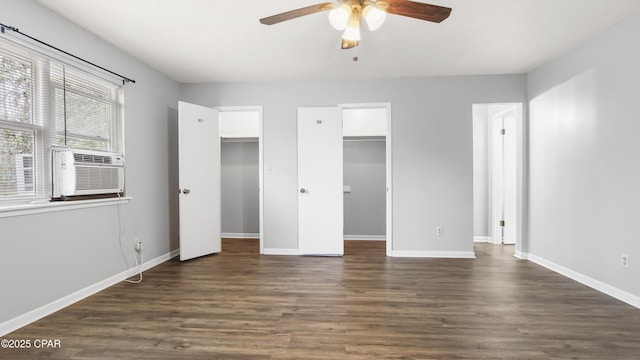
<point x="367" y="174"/>
<point x="241" y="175"/>
<point x="497" y="173"/>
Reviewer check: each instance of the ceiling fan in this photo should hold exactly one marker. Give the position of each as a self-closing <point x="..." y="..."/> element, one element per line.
<point x="346" y="15"/>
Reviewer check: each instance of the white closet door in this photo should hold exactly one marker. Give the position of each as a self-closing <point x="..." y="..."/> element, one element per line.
<point x="199" y="180"/>
<point x="320" y="182"/>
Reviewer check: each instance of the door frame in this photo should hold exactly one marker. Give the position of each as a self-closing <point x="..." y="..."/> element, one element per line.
<point x="389" y="167"/>
<point x="259" y="109"/>
<point x="521" y="165"/>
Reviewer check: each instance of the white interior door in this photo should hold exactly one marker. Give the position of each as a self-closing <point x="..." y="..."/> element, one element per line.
<point x="504" y="177"/>
<point x="320" y="182"/>
<point x="199" y="180"/>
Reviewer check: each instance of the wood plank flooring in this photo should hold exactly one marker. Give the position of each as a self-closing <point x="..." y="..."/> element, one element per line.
<point x="240" y="305"/>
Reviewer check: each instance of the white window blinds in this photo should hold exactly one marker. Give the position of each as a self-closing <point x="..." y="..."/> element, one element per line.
<point x="16" y="88"/>
<point x="17" y="135"/>
<point x="85" y="110"/>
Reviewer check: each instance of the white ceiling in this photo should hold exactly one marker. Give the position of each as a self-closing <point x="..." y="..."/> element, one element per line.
<point x="222" y="40"/>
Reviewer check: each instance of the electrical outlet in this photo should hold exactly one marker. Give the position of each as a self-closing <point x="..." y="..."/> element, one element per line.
<point x="624" y="261"/>
<point x="138" y="244"/>
<point x="439" y="231"/>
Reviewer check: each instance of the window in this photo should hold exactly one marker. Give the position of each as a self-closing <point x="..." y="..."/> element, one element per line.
<point x="44" y="103"/>
<point x="86" y="117"/>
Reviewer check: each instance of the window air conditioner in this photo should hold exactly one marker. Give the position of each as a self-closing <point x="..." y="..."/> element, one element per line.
<point x="76" y="172"/>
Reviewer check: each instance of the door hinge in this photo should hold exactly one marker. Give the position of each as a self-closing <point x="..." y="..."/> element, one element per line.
<point x="503" y="131"/>
<point x="501" y="222"/>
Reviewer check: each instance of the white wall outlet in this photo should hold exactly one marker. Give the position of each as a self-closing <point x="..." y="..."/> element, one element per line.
<point x="439" y="231"/>
<point x="138" y="244"/>
<point x="624" y="261"/>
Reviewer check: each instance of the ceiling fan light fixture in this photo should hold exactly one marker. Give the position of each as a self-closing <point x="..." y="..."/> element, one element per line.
<point x="339" y="17"/>
<point x="374" y="16"/>
<point x="352" y="32"/>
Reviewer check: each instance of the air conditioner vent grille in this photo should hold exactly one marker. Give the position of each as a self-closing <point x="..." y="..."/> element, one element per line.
<point x="92" y="178"/>
<point x="91" y="159"/>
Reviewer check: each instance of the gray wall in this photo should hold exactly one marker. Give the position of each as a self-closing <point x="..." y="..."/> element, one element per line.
<point x="431" y="145"/>
<point x="584" y="168"/>
<point x="239" y="182"/>
<point x="365" y="172"/>
<point x="54" y="254"/>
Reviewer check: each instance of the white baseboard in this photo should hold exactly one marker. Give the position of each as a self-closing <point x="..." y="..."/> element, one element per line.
<point x="272" y="251"/>
<point x="614" y="292"/>
<point x="159" y="260"/>
<point x="241" y="235"/>
<point x="434" y="254"/>
<point x="56" y="305"/>
<point x="366" y="237"/>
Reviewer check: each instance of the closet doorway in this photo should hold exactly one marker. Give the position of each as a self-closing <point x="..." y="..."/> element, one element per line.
<point x="367" y="172"/>
<point x="241" y="174"/>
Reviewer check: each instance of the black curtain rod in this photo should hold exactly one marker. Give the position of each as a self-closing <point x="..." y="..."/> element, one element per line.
<point x="124" y="78"/>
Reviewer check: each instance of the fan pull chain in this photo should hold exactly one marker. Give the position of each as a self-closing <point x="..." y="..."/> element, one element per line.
<point x="355" y="49"/>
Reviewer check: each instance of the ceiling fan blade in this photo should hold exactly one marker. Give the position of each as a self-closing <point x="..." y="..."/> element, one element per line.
<point x="418" y="10"/>
<point x="274" y="19"/>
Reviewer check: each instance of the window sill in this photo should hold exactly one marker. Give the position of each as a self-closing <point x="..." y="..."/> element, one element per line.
<point x="45" y="207"/>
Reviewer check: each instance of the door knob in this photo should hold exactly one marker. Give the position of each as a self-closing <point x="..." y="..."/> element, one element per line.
<point x="186" y="191"/>
<point x="303" y="190"/>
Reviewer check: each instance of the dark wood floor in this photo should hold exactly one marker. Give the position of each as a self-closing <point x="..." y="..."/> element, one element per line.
<point x="240" y="305"/>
